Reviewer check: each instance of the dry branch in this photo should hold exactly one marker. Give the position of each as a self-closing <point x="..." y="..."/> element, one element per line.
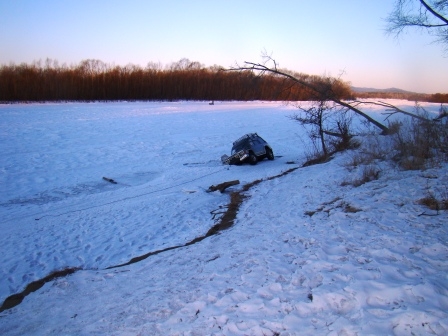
<point x="393" y="108"/>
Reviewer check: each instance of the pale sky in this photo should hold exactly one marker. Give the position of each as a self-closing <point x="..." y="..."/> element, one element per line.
<point x="325" y="37"/>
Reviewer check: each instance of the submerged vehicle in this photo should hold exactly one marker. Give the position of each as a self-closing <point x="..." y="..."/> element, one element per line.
<point x="249" y="148"/>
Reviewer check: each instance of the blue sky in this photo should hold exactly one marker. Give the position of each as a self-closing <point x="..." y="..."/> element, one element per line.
<point x="316" y="37"/>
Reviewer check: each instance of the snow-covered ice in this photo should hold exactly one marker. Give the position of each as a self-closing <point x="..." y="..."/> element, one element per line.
<point x="307" y="254"/>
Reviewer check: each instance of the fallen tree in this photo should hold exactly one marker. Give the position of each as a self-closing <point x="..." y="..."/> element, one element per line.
<point x="321" y="88"/>
<point x="327" y="89"/>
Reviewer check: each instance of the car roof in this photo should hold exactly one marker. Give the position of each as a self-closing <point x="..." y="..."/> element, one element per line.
<point x="246" y="136"/>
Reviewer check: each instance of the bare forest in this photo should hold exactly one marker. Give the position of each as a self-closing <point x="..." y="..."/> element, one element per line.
<point x="94" y="80"/>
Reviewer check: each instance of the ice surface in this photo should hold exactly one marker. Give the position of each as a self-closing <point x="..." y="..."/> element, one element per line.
<point x="381" y="269"/>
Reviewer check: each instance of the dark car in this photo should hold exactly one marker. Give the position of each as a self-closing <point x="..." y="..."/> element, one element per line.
<point x="249" y="148"/>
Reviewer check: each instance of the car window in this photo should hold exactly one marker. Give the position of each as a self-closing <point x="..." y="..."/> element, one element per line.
<point x="240" y="145"/>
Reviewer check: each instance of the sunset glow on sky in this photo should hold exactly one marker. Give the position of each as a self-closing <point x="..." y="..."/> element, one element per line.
<point x="344" y="37"/>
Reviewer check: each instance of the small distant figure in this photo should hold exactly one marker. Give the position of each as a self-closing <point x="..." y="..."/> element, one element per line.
<point x="212" y="102"/>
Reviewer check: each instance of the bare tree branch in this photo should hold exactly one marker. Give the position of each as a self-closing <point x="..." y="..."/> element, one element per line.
<point x="393" y="108"/>
<point x="321" y="90"/>
<point x="430" y="15"/>
<point x="433" y="12"/>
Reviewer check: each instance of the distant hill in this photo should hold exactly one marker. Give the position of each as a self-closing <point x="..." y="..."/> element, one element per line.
<point x="394" y="93"/>
<point x="389" y="90"/>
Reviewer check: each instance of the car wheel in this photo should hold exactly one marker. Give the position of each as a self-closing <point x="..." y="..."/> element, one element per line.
<point x="253" y="159"/>
<point x="269" y="154"/>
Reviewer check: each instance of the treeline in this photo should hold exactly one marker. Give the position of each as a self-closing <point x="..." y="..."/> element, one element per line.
<point x="93" y="80"/>
<point x="422" y="97"/>
<point x="438" y="98"/>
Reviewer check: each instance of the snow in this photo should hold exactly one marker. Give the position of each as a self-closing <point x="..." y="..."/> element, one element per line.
<point x="306" y="255"/>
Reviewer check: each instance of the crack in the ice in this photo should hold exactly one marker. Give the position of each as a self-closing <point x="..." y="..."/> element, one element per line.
<point x="15" y="299"/>
<point x="225" y="222"/>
